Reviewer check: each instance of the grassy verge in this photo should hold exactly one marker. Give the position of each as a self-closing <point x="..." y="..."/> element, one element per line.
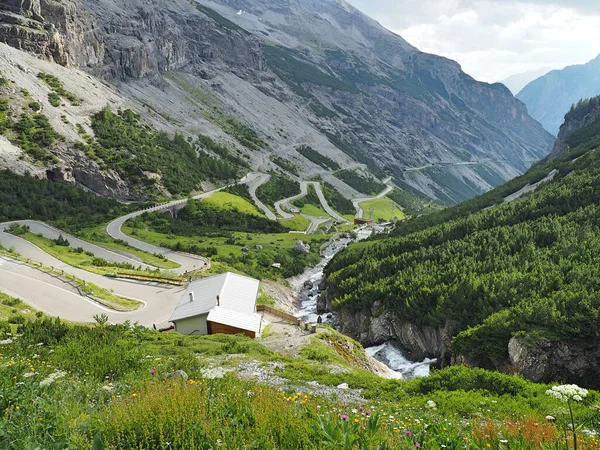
<point x="99" y="237"/>
<point x="312" y="210"/>
<point x="89" y="262"/>
<point x="224" y="200"/>
<point x="382" y="210"/>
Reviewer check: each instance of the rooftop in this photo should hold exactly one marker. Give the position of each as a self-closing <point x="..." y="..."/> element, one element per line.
<point x="236" y="293"/>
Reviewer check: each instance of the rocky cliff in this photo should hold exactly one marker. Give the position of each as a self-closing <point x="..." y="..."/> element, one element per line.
<point x="575" y="121"/>
<point x="296" y="72"/>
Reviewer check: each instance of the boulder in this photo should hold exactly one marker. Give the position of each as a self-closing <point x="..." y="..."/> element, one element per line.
<point x="302" y="248"/>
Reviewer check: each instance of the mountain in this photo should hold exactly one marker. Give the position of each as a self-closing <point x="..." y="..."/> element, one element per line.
<point x="549" y="98"/>
<point x="505" y="281"/>
<point x="518" y="81"/>
<point x="265" y="78"/>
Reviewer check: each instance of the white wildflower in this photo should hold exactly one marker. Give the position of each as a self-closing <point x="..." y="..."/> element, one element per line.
<point x="550" y="418"/>
<point x="567" y="392"/>
<point x="28" y="374"/>
<point x="6" y="341"/>
<point x="52" y="378"/>
<point x="431" y="404"/>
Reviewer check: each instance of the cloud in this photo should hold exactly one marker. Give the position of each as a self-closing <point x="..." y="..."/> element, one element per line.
<point x="493" y="39"/>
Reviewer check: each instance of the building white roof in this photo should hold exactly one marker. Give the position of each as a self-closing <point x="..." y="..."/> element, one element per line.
<point x="250" y="322"/>
<point x="236" y="293"/>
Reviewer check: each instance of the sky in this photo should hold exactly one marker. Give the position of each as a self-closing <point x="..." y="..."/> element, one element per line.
<point x="494" y="39"/>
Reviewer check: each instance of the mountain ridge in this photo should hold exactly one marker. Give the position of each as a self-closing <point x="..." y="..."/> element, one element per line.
<point x="389" y="108"/>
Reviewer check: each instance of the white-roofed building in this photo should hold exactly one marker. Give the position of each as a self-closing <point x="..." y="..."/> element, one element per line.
<point x="224" y="303"/>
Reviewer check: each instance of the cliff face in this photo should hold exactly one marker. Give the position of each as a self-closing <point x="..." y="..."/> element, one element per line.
<point x="123" y="39"/>
<point x="574" y="122"/>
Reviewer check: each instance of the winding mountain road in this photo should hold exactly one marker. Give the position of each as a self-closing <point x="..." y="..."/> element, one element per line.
<point x="253" y="185"/>
<point x="55" y="297"/>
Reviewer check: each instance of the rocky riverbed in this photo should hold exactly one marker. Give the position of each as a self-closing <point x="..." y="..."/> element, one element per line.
<point x="305" y="287"/>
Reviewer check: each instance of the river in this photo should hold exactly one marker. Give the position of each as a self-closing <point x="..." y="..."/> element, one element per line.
<point x="388" y="353"/>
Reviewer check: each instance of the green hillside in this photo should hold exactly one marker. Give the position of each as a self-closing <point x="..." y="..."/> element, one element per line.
<point x="529" y="267"/>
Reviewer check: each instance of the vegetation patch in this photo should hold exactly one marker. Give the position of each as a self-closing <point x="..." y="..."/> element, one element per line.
<point x="146" y="157"/>
<point x="336" y="200"/>
<point x="246" y="243"/>
<point x="63" y="205"/>
<point x="277" y="188"/>
<point x="83" y="387"/>
<point x="57" y="86"/>
<point x="317" y="158"/>
<point x="413" y="202"/>
<point x="286" y="165"/>
<point x="382" y="209"/>
<point x="353" y="179"/>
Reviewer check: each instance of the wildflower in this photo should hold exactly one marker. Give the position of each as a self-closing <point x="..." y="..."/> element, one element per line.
<point x="368" y="412"/>
<point x="152" y="372"/>
<point x="431" y="404"/>
<point x="52" y="378"/>
<point x="567" y="392"/>
<point x="6" y="342"/>
<point x="417" y="445"/>
<point x="344" y="417"/>
<point x="354" y="410"/>
<point x="408" y="433"/>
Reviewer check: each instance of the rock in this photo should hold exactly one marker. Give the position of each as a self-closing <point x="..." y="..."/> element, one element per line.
<point x="302" y="248"/>
<point x="321" y="304"/>
<point x="308" y="284"/>
<point x="245" y="249"/>
<point x="343" y="386"/>
<point x="177" y="374"/>
<point x="259" y="247"/>
<point x="543" y="360"/>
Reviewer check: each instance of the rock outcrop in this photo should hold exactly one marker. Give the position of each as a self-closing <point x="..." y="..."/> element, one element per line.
<point x="543" y="360"/>
<point x="573" y="123"/>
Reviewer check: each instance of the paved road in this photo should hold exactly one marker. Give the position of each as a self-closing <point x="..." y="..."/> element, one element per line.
<point x="53" y="233"/>
<point x="326" y="206"/>
<point x="45" y="292"/>
<point x="253" y="186"/>
<point x="357" y="201"/>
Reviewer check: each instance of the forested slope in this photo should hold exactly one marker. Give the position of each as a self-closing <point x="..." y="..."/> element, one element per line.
<point x="525" y="273"/>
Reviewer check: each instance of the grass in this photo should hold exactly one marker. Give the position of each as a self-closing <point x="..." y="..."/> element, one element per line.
<point x="100" y="237"/>
<point x="298" y="223"/>
<point x="89" y="262"/>
<point x="312" y="210"/>
<point x="382" y="210"/>
<point x="278" y="241"/>
<point x="224" y="200"/>
<point x="82" y="387"/>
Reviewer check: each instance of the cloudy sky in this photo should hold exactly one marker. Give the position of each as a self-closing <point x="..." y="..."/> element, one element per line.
<point x="493" y="39"/>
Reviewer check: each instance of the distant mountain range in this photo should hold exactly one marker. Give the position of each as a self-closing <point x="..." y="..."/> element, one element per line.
<point x="518" y="81"/>
<point x="550" y="97"/>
